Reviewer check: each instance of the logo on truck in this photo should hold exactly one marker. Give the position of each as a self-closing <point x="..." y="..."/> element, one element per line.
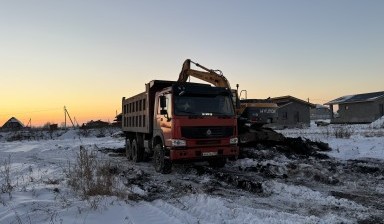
<point x="267" y="111"/>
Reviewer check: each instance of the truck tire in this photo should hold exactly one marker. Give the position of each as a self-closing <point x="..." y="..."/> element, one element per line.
<point x="128" y="149"/>
<point x="217" y="163"/>
<point x="161" y="163"/>
<point x="137" y="152"/>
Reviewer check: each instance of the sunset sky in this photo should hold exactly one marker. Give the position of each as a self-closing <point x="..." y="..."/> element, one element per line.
<point x="88" y="54"/>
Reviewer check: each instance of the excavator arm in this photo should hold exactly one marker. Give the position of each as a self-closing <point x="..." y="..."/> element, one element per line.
<point x="215" y="77"/>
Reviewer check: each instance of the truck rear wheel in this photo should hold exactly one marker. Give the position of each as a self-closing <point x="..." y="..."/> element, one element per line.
<point x="128" y="149"/>
<point x="137" y="153"/>
<point x="161" y="163"/>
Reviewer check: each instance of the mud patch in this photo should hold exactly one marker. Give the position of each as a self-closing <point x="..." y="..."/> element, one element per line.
<point x="290" y="147"/>
<point x="112" y="152"/>
<point x="240" y="182"/>
<point x="365" y="167"/>
<point x="303" y="147"/>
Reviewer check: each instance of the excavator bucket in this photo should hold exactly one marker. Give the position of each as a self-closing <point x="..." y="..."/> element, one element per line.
<point x="183" y="76"/>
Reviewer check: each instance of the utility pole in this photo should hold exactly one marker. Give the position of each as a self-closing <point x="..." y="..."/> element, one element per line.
<point x="29" y="123"/>
<point x="77" y="123"/>
<point x="65" y="119"/>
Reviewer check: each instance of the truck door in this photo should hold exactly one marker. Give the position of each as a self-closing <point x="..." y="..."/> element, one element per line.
<point x="163" y="121"/>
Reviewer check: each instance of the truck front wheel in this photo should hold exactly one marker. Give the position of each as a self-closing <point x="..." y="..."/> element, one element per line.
<point x="161" y="163"/>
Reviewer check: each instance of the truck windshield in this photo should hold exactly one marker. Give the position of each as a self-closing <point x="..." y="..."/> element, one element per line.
<point x="203" y="105"/>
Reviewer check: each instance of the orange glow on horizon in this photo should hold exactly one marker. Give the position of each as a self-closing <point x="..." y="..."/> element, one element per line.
<point x="39" y="118"/>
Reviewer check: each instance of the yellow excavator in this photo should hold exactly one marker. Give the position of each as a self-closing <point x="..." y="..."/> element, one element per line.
<point x="252" y="114"/>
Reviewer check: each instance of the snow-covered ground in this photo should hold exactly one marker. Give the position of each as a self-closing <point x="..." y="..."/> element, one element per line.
<point x="365" y="141"/>
<point x="269" y="187"/>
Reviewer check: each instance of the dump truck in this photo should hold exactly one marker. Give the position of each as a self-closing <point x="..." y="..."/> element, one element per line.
<point x="175" y="122"/>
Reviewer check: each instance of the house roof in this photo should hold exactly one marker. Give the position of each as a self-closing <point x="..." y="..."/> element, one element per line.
<point x="282" y="100"/>
<point x="13" y="120"/>
<point x="320" y="106"/>
<point x="357" y="98"/>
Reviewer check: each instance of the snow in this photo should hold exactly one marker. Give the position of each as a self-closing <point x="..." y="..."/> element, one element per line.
<point x="375" y="98"/>
<point x="358" y="148"/>
<point x="36" y="170"/>
<point x="341" y="99"/>
<point x="379" y="123"/>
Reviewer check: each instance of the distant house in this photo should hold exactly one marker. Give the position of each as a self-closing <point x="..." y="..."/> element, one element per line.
<point x="117" y="121"/>
<point x="358" y="109"/>
<point x="53" y="127"/>
<point x="95" y="124"/>
<point x="12" y="124"/>
<point x="320" y="112"/>
<point x="292" y="112"/>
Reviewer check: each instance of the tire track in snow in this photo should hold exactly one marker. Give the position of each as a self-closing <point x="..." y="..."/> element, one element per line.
<point x="146" y="212"/>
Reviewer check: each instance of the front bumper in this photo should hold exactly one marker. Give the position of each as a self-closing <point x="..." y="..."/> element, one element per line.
<point x="203" y="153"/>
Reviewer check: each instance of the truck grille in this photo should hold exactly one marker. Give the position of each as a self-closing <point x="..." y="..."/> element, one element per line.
<point x="207" y="132"/>
<point x="208" y="142"/>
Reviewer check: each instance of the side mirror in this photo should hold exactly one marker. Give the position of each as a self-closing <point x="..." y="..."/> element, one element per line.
<point x="163" y="102"/>
<point x="163" y="105"/>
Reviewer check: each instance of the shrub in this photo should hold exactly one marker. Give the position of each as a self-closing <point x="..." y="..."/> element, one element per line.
<point x="373" y="133"/>
<point x="92" y="177"/>
<point x="342" y="132"/>
<point x="6" y="183"/>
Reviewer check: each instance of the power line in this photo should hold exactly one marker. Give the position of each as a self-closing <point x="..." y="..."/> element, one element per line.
<point x="29" y="112"/>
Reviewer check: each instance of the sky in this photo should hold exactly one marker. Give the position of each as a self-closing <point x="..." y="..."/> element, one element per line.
<point x="87" y="55"/>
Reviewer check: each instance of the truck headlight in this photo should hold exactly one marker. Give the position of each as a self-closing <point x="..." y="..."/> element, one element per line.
<point x="178" y="142"/>
<point x="233" y="141"/>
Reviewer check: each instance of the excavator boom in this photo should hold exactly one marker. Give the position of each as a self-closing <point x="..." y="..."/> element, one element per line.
<point x="210" y="76"/>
